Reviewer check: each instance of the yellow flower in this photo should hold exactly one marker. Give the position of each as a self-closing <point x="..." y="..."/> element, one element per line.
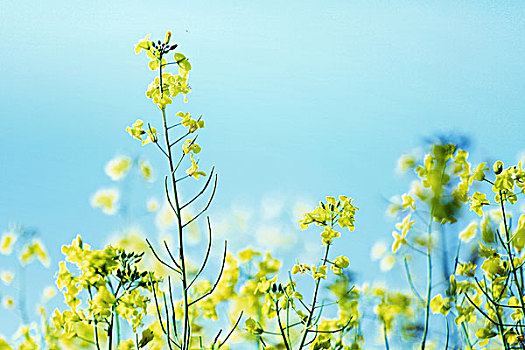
<point x="190" y="146"/>
<point x="320" y="272"/>
<point x="102" y="302"/>
<point x="8" y="302"/>
<point x="478" y="174"/>
<point x="247" y="254"/>
<point x="190" y="123"/>
<point x="398" y="240"/>
<point x="7" y="242"/>
<point x="339" y="264"/>
<point x="193" y="170"/>
<point x="35" y="249"/>
<point x="300" y="268"/>
<point x="405" y="225"/>
<point x="466" y="269"/>
<point x="265" y="284"/>
<point x="136" y="129"/>
<point x="146" y="170"/>
<point x="469" y="232"/>
<point x="329" y="234"/>
<point x="117" y="167"/>
<point x="152" y="136"/>
<point x="143" y="44"/>
<point x="440" y="305"/>
<point x="477" y="202"/>
<point x="253" y="326"/>
<point x="106" y="199"/>
<point x="408" y="201"/>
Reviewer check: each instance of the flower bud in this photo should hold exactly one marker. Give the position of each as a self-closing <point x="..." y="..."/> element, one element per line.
<point x="168" y="37"/>
<point x="498" y="167"/>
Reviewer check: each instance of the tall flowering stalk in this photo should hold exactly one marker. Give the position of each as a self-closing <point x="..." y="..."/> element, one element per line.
<point x="162" y="90"/>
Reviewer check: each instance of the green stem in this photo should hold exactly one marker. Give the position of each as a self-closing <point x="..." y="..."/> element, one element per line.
<point x="429" y="283"/>
<point x="511" y="258"/>
<point x="187" y="330"/>
<point x="283" y="334"/>
<point x="314" y="300"/>
<point x="95" y="328"/>
<point x="385" y="336"/>
<point x="110" y="332"/>
<point x="501" y="328"/>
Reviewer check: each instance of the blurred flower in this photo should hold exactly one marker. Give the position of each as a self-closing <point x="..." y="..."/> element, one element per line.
<point x="8" y="302"/>
<point x="152" y="204"/>
<point x="146" y="170"/>
<point x="33" y="250"/>
<point x="49" y="292"/>
<point x="7" y="242"/>
<point x="106" y="199"/>
<point x="469" y="232"/>
<point x="136" y="129"/>
<point x="405" y="162"/>
<point x="117" y="167"/>
<point x="387" y="262"/>
<point x="377" y="251"/>
<point x="7" y="277"/>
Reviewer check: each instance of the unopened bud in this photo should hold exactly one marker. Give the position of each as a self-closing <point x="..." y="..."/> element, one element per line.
<point x="168" y="37"/>
<point x="498" y="167"/>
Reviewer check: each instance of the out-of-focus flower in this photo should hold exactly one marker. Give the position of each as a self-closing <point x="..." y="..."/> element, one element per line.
<point x="35" y="249"/>
<point x="49" y="292"/>
<point x="387" y="262"/>
<point x="117" y="167"/>
<point x="7" y="242"/>
<point x="146" y="170"/>
<point x="378" y="250"/>
<point x="106" y="199"/>
<point x="7" y="277"/>
<point x="8" y="302"/>
<point x="152" y="204"/>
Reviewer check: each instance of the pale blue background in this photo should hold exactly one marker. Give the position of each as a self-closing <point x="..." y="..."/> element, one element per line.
<point x="301" y="98"/>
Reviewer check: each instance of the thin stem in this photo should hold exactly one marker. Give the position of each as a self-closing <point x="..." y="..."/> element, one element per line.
<point x="410" y="282"/>
<point x="283" y="334"/>
<point x="186" y="322"/>
<point x="385" y="336"/>
<point x="314" y="300"/>
<point x="231" y="330"/>
<point x="429" y="285"/>
<point x="95" y="328"/>
<point x="448" y="333"/>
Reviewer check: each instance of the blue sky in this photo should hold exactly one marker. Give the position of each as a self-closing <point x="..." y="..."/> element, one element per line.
<point x="301" y="99"/>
